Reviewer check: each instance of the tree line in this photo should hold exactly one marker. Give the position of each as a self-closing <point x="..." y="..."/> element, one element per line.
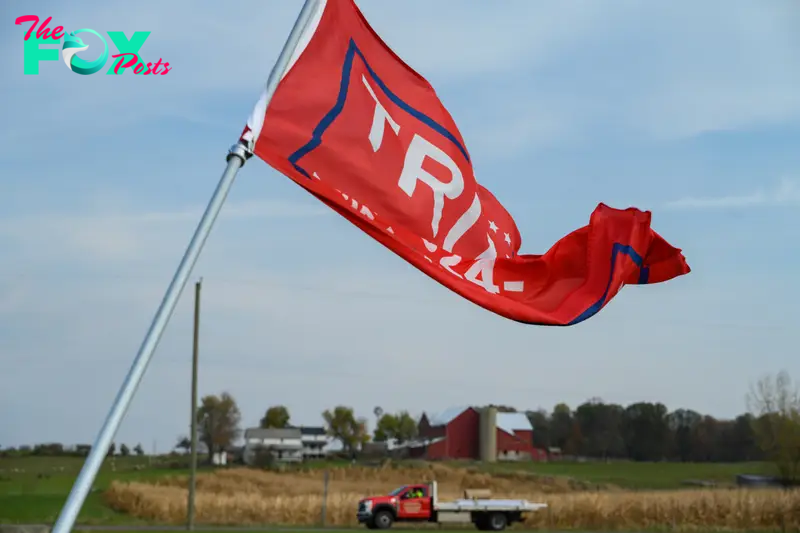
<point x="56" y="449"/>
<point x="641" y="431"/>
<point x="648" y="431"/>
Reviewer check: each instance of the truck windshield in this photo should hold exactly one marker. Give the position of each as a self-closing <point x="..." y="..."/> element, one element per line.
<point x="398" y="490"/>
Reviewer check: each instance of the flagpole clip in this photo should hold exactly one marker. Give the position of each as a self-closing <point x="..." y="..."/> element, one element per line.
<point x="239" y="150"/>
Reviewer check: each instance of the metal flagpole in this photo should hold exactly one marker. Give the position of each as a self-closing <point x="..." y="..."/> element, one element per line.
<point x="236" y="158"/>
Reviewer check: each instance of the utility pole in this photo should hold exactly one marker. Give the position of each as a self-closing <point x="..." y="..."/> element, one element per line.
<point x="193" y="463"/>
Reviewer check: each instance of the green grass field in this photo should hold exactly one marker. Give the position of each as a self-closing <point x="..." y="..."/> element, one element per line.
<point x="33" y="489"/>
<point x="36" y="492"/>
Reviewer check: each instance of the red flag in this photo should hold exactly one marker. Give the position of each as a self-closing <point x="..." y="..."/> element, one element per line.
<point x="355" y="126"/>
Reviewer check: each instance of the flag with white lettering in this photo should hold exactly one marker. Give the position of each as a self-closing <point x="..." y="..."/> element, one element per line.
<point x="355" y="126"/>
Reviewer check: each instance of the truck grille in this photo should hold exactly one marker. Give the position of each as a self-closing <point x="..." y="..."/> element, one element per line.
<point x="362" y="507"/>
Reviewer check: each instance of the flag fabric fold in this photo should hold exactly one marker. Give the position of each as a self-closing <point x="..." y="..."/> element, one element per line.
<point x="359" y="129"/>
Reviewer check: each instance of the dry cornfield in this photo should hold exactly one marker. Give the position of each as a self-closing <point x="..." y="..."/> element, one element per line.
<point x="372" y="480"/>
<point x="242" y="496"/>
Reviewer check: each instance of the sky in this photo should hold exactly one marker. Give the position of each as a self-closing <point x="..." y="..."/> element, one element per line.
<point x="691" y="111"/>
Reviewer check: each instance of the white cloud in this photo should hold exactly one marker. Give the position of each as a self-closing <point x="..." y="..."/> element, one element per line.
<point x="786" y="193"/>
<point x="518" y="121"/>
<point x="113" y="235"/>
<point x="456" y="42"/>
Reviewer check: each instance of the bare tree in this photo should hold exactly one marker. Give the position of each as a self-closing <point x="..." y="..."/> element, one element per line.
<point x="775" y="403"/>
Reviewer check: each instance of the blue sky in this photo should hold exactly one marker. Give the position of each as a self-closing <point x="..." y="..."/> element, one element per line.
<point x="689" y="110"/>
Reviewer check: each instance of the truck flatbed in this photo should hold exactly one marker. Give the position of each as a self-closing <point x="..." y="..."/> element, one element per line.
<point x="488" y="505"/>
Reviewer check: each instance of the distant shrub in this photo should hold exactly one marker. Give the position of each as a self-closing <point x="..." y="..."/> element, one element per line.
<point x="51" y="449"/>
<point x="264" y="458"/>
<point x="82" y="450"/>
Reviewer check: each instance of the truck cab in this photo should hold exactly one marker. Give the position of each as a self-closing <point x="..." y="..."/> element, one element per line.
<point x="407" y="503"/>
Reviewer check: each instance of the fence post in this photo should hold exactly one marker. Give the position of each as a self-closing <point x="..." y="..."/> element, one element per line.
<point x="324" y="497"/>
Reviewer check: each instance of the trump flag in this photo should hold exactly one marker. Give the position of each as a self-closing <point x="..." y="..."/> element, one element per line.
<point x="358" y="128"/>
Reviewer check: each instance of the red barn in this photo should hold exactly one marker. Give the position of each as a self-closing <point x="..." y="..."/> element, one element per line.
<point x="461" y="433"/>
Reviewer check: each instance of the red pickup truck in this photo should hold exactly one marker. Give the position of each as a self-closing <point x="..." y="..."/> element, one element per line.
<point x="419" y="503"/>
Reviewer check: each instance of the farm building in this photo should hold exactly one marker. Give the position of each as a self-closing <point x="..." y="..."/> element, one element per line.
<point x="291" y="444"/>
<point x="477" y="434"/>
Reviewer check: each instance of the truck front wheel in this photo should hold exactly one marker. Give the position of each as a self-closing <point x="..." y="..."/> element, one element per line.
<point x="383" y="520"/>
